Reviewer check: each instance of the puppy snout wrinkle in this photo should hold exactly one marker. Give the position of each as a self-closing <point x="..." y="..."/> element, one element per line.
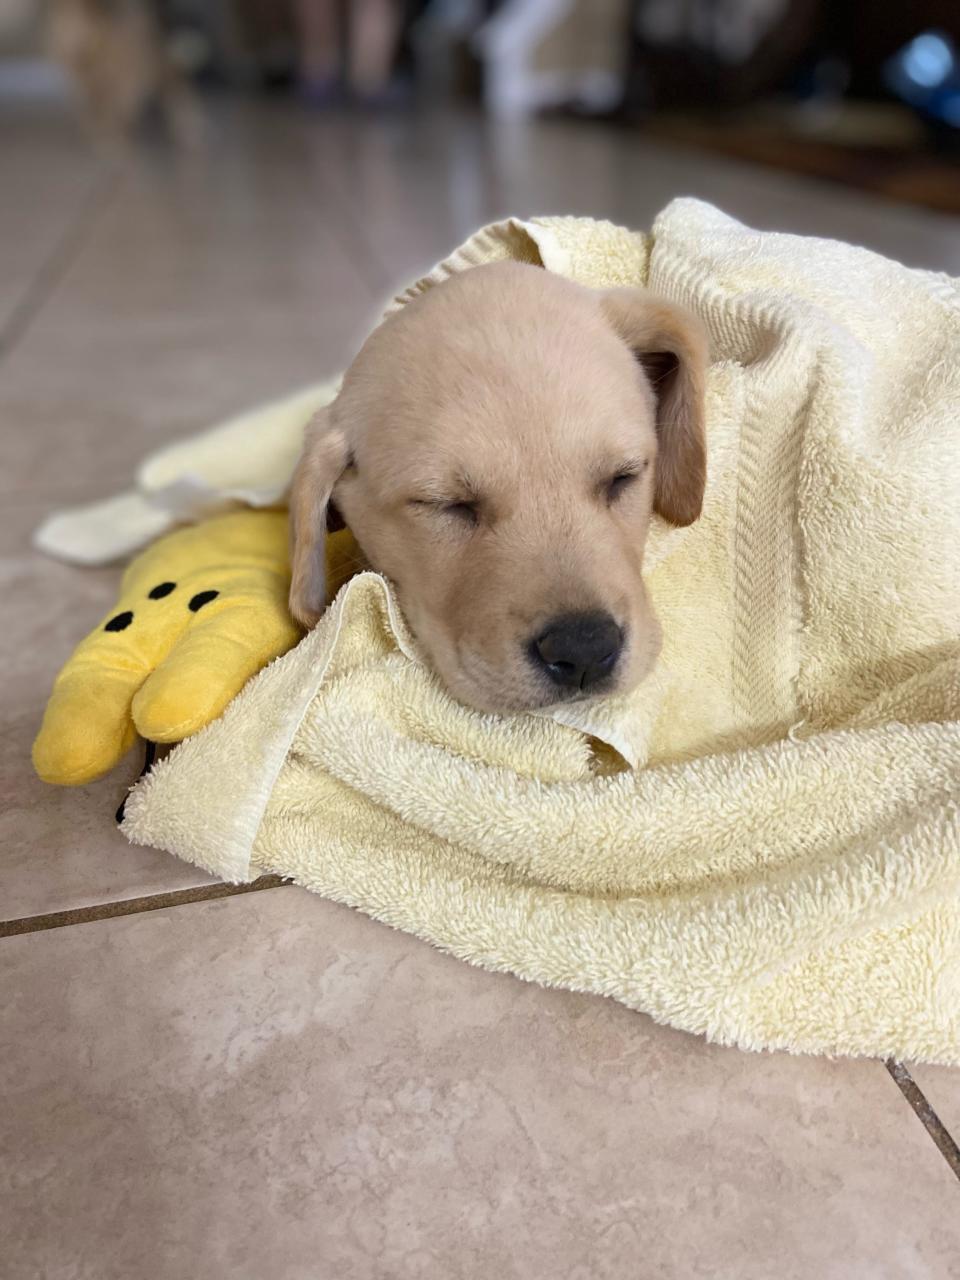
<point x="578" y="650"/>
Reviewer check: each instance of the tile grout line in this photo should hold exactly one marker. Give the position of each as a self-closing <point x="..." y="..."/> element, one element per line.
<point x="355" y="244"/>
<point x="136" y="906"/>
<point x="59" y="260"/>
<point x="911" y="1091"/>
<point x="925" y="1113"/>
<point x="358" y="250"/>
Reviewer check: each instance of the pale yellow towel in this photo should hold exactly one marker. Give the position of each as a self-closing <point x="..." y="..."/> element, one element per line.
<point x="762" y="843"/>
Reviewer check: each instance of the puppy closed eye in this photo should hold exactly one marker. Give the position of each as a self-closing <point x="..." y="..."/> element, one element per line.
<point x="464" y="512"/>
<point x="617" y="484"/>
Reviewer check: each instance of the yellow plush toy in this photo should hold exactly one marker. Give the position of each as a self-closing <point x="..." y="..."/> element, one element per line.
<point x="199" y="613"/>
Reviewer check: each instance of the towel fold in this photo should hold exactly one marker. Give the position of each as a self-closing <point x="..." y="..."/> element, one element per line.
<point x="761" y="843"/>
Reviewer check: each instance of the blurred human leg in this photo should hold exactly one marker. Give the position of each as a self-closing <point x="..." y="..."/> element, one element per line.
<point x="318" y="23"/>
<point x="374" y="33"/>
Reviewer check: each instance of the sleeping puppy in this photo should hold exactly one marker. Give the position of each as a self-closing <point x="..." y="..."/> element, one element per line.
<point x="497" y="449"/>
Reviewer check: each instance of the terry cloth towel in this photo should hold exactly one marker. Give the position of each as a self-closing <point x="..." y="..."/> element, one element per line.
<point x="760" y="844"/>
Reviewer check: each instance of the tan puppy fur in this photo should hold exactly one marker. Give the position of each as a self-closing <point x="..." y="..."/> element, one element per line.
<point x="497" y="448"/>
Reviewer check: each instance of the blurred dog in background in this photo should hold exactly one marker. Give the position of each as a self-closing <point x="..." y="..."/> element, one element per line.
<point x="122" y="68"/>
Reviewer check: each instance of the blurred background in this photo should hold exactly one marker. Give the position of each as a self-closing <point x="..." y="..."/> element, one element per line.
<point x="847" y="90"/>
<point x="206" y="203"/>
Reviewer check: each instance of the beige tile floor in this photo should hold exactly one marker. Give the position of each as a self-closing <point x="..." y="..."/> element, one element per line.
<point x="269" y="1085"/>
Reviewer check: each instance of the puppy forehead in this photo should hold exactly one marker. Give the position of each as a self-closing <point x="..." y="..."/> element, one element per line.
<point x="507" y="314"/>
<point x="507" y="356"/>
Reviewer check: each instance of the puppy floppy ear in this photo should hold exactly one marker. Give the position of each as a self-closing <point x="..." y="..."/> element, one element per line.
<point x="324" y="458"/>
<point x="671" y="345"/>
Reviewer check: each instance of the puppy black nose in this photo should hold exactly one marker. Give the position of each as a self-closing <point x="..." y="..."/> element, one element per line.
<point x="578" y="649"/>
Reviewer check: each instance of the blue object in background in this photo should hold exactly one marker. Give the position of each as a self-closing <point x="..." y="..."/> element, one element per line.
<point x="925" y="74"/>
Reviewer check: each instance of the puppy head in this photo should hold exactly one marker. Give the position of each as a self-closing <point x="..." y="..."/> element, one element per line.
<point x="497" y="449"/>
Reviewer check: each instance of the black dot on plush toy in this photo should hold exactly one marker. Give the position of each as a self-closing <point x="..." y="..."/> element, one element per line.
<point x="200" y="599"/>
<point x="162" y="589"/>
<point x="120" y="621"/>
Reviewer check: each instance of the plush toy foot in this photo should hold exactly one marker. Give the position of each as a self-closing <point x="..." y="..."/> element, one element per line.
<point x="200" y="612"/>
